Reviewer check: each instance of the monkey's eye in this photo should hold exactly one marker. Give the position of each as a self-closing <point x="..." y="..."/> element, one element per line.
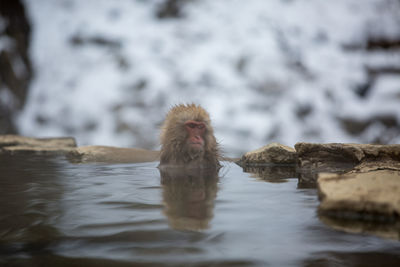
<point x="194" y="125"/>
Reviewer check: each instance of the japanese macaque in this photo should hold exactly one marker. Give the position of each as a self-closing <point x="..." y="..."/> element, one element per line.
<point x="187" y="138"/>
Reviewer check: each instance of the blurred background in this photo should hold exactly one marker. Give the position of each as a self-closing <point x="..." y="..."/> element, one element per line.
<point x="106" y="72"/>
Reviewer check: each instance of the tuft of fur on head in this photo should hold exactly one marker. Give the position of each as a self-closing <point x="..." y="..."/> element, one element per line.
<point x="173" y="136"/>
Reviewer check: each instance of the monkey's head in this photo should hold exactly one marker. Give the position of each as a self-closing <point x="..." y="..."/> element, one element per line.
<point x="187" y="136"/>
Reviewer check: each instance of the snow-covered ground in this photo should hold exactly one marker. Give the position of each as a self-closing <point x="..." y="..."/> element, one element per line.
<point x="267" y="71"/>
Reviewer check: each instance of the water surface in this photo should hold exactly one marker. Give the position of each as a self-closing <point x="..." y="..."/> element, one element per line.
<point x="56" y="213"/>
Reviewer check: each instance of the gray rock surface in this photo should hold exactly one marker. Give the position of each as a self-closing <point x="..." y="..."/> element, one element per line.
<point x="19" y="144"/>
<point x="273" y="153"/>
<point x="344" y="157"/>
<point x="374" y="192"/>
<point x="367" y="201"/>
<point x="13" y="144"/>
<point x="113" y="154"/>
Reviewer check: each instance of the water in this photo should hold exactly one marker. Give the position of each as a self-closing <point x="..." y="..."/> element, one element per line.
<point x="56" y="213"/>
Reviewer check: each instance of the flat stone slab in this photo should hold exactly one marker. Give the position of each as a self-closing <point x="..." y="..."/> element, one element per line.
<point x="273" y="153"/>
<point x="13" y="144"/>
<point x="17" y="140"/>
<point x="344" y="157"/>
<point x="36" y="150"/>
<point x="113" y="154"/>
<point x="331" y="157"/>
<point x="370" y="196"/>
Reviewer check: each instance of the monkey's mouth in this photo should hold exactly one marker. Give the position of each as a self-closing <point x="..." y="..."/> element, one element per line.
<point x="196" y="144"/>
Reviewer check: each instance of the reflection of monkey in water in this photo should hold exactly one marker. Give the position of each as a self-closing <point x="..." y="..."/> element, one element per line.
<point x="189" y="195"/>
<point x="187" y="138"/>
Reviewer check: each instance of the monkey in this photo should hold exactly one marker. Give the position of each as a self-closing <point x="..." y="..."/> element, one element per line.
<point x="187" y="138"/>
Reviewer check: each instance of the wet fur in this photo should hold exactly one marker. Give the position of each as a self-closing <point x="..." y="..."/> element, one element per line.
<point x="174" y="149"/>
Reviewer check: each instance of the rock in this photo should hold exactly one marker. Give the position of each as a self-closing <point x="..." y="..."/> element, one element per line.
<point x="383" y="230"/>
<point x="15" y="64"/>
<point x="344" y="157"/>
<point x="271" y="154"/>
<point x="368" y="196"/>
<point x="36" y="150"/>
<point x="13" y="144"/>
<point x="19" y="144"/>
<point x="16" y="140"/>
<point x="368" y="166"/>
<point x="112" y="154"/>
<point x="272" y="173"/>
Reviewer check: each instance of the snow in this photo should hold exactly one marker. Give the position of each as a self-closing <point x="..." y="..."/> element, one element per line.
<point x="107" y="71"/>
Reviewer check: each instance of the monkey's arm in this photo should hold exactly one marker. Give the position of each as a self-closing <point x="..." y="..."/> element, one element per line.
<point x="110" y="154"/>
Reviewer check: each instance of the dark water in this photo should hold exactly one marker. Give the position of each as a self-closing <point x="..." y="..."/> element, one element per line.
<point x="55" y="213"/>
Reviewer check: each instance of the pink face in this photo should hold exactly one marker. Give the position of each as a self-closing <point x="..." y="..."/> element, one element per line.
<point x="196" y="132"/>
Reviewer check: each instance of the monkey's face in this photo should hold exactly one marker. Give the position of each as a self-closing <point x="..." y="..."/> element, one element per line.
<point x="195" y="137"/>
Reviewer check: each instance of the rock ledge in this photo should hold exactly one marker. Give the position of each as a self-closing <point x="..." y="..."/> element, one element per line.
<point x="13" y="144"/>
<point x="271" y="154"/>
